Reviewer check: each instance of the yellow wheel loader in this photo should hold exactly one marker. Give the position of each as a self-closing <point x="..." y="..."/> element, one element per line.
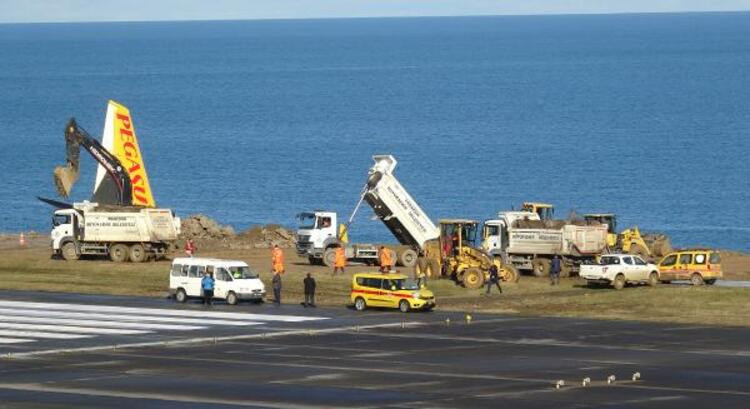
<point x="631" y="240"/>
<point x="455" y="254"/>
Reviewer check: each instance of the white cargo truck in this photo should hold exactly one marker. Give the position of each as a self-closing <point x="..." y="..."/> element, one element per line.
<point x="318" y="238"/>
<point x="121" y="232"/>
<point x="522" y="239"/>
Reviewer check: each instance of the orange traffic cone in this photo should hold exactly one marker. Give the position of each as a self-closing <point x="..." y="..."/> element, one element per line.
<point x="21" y="240"/>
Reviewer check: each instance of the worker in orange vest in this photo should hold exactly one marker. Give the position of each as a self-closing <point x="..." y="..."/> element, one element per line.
<point x="340" y="260"/>
<point x="277" y="260"/>
<point x="386" y="261"/>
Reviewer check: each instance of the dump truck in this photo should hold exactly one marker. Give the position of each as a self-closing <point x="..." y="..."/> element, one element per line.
<point x="319" y="234"/>
<point x="524" y="240"/>
<point x="121" y="221"/>
<point x="464" y="261"/>
<point x="120" y="232"/>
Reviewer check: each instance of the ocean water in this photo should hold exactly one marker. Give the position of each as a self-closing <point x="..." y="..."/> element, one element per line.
<point x="251" y="122"/>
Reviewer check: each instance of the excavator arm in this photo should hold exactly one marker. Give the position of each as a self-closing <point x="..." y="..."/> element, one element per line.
<point x="66" y="176"/>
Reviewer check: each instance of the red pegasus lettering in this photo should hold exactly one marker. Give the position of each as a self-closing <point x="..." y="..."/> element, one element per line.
<point x="125" y="120"/>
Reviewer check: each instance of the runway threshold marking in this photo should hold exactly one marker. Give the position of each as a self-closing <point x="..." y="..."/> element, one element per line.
<point x="207" y="320"/>
<point x="99" y="323"/>
<point x="205" y="340"/>
<point x="160" y="311"/>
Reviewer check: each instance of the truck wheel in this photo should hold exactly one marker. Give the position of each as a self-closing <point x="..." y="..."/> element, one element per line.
<point x="540" y="267"/>
<point x="473" y="278"/>
<point x="407" y="258"/>
<point x="653" y="278"/>
<point x="360" y="304"/>
<point x="433" y="269"/>
<point x="69" y="251"/>
<point x="696" y="279"/>
<point x="181" y="295"/>
<point x="138" y="253"/>
<point x="619" y="282"/>
<point x="232" y="298"/>
<point x="510" y="274"/>
<point x="329" y="257"/>
<point x="118" y="253"/>
<point x="404" y="306"/>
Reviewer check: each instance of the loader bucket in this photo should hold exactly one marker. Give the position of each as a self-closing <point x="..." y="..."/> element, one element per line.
<point x="65" y="177"/>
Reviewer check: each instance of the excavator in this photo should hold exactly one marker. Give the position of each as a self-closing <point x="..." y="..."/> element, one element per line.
<point x="121" y="178"/>
<point x="117" y="190"/>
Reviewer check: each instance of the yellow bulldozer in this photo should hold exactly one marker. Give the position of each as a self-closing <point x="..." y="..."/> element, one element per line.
<point x="455" y="254"/>
<point x="545" y="211"/>
<point x="649" y="246"/>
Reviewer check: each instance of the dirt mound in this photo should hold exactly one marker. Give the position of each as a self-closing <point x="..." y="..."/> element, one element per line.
<point x="210" y="233"/>
<point x="268" y="236"/>
<point x="200" y="227"/>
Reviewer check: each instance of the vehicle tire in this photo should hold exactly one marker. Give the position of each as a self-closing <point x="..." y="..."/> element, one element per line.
<point x="540" y="267"/>
<point x="329" y="257"/>
<point x="404" y="306"/>
<point x="696" y="279"/>
<point x="181" y="295"/>
<point x="509" y="274"/>
<point x="638" y="250"/>
<point x="118" y="253"/>
<point x="472" y="278"/>
<point x="619" y="282"/>
<point x="138" y="253"/>
<point x="433" y="269"/>
<point x="232" y="298"/>
<point x="407" y="258"/>
<point x="69" y="251"/>
<point x="711" y="281"/>
<point x="360" y="304"/>
<point x="653" y="278"/>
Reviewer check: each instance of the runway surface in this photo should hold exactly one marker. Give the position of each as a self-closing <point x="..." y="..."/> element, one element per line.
<point x="75" y="351"/>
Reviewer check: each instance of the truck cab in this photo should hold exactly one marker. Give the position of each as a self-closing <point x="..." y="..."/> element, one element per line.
<point x="64" y="228"/>
<point x="315" y="231"/>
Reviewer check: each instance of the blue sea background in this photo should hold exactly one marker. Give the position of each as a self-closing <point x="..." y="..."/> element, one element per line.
<point x="251" y="122"/>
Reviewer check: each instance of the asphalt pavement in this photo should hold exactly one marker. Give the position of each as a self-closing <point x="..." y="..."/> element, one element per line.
<point x="80" y="351"/>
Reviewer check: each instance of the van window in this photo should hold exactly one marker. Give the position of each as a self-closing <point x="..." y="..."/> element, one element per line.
<point x="185" y="268"/>
<point x="715" y="258"/>
<point x="627" y="260"/>
<point x="223" y="275"/>
<point x="669" y="261"/>
<point x="196" y="271"/>
<point x="176" y="270"/>
<point x="686" y="258"/>
<point x="372" y="282"/>
<point x="700" y="258"/>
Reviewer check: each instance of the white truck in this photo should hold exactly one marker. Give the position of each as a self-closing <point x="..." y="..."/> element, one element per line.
<point x="392" y="204"/>
<point x="317" y="239"/>
<point x="620" y="269"/>
<point x="522" y="239"/>
<point x="121" y="232"/>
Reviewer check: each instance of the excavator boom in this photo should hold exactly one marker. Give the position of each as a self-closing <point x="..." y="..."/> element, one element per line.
<point x="66" y="176"/>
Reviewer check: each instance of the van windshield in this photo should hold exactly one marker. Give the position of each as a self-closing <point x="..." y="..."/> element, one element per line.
<point x="242" y="272"/>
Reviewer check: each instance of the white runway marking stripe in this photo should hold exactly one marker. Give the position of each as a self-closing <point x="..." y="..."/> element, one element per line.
<point x="159" y="311"/>
<point x="120" y="317"/>
<point x="14" y="340"/>
<point x="73" y="329"/>
<point x="40" y="334"/>
<point x="99" y="323"/>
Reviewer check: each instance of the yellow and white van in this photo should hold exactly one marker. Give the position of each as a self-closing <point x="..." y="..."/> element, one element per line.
<point x="390" y="291"/>
<point x="697" y="265"/>
<point x="234" y="279"/>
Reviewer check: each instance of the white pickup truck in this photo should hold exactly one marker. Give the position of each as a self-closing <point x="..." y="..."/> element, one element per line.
<point x="619" y="269"/>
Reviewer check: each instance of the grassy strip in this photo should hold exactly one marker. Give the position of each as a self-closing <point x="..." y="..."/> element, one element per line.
<point x="32" y="269"/>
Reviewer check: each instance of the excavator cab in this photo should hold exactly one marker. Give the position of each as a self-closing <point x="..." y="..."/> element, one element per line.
<point x="456" y="234"/>
<point x="545" y="211"/>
